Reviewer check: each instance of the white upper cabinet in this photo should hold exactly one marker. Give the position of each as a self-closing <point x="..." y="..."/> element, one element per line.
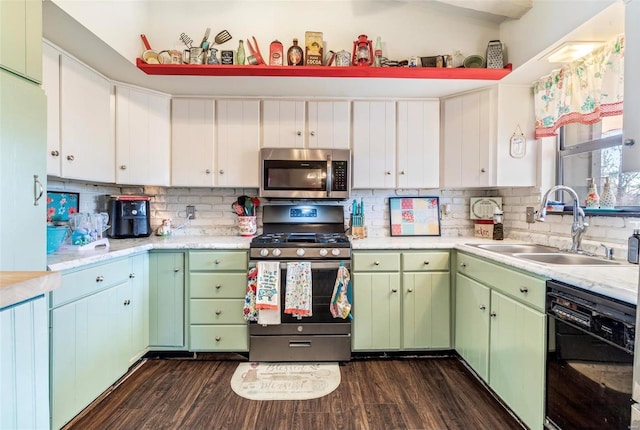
<point x="192" y="152"/>
<point x="374" y="144"/>
<point x="21" y="37"/>
<point x="51" y="87"/>
<point x="238" y="143"/>
<point x="283" y="124"/>
<point x="143" y="137"/>
<point x="476" y="138"/>
<point x="86" y="124"/>
<point x="418" y="144"/>
<point x="631" y="138"/>
<point x="329" y="124"/>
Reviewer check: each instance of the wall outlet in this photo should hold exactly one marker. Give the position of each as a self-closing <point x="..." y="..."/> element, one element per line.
<point x="191" y="212"/>
<point x="530" y="215"/>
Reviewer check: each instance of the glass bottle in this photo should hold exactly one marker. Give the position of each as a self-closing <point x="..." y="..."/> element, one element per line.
<point x="377" y="53"/>
<point x="240" y="56"/>
<point x="593" y="199"/>
<point x="608" y="198"/>
<point x="498" y="224"/>
<point x="295" y="55"/>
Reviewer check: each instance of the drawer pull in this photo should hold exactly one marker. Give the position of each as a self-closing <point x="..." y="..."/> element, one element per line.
<point x="524" y="290"/>
<point x="127" y="302"/>
<point x="410" y="290"/>
<point x="483" y="307"/>
<point x="99" y="278"/>
<point x="217" y="261"/>
<point x="426" y="263"/>
<point x="176" y="270"/>
<point x="218" y="312"/>
<point x="70" y="157"/>
<point x="394" y="290"/>
<point x="463" y="265"/>
<point x="493" y="314"/>
<point x="132" y="275"/>
<point x="218" y="286"/>
<point x="55" y="153"/>
<point x="376" y="263"/>
<point x="218" y="338"/>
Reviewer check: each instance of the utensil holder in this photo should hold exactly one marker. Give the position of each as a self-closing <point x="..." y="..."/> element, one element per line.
<point x="247" y="225"/>
<point x="358" y="229"/>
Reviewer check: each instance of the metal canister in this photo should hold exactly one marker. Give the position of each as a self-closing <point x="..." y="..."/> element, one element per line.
<point x="276" y="54"/>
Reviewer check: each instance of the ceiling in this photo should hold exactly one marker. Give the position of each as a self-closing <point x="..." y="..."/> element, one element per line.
<point x="503" y="9"/>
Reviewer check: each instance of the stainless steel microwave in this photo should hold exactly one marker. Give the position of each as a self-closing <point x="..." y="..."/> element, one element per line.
<point x="290" y="173"/>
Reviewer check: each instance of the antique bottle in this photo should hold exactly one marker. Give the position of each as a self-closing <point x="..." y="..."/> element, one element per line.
<point x="377" y="52"/>
<point x="240" y="55"/>
<point x="295" y="56"/>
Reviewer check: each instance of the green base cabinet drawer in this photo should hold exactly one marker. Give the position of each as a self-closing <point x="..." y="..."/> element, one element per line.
<point x="376" y="262"/>
<point x="216" y="311"/>
<point x="218" y="260"/>
<point x="425" y="261"/>
<point x="217" y="285"/>
<point x="219" y="338"/>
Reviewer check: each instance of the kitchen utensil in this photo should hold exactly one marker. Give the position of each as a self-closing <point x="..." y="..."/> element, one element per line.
<point x="186" y="40"/>
<point x="239" y="210"/>
<point x="248" y="207"/>
<point x="146" y="42"/>
<point x="205" y="38"/>
<point x="150" y="56"/>
<point x="221" y="37"/>
<point x="256" y="202"/>
<point x="474" y="61"/>
<point x="196" y="56"/>
<point x="255" y="50"/>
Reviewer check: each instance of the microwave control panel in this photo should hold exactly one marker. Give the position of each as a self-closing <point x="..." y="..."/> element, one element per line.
<point x="340" y="177"/>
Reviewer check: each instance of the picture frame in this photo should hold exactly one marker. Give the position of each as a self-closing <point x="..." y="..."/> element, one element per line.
<point x="60" y="204"/>
<point x="414" y="216"/>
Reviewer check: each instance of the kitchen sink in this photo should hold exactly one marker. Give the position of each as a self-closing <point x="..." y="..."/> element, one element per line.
<point x="514" y="248"/>
<point x="559" y="258"/>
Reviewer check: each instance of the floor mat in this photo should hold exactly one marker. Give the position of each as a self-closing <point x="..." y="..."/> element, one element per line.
<point x="285" y="381"/>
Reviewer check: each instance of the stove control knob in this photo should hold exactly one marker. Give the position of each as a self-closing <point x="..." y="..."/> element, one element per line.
<point x="277" y="252"/>
<point x="300" y="252"/>
<point x="264" y="252"/>
<point x="323" y="252"/>
<point x="335" y="252"/>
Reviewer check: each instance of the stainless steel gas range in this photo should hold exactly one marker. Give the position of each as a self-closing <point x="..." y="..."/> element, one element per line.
<point x="313" y="233"/>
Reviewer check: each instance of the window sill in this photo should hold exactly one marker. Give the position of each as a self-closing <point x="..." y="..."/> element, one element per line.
<point x="626" y="212"/>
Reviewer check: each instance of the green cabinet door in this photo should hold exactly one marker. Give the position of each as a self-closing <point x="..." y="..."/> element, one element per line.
<point x="376" y="311"/>
<point x="472" y="324"/>
<point x="139" y="306"/>
<point x="517" y="367"/>
<point x="426" y="311"/>
<point x="166" y="300"/>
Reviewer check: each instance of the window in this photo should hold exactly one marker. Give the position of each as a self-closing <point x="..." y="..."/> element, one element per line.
<point x="595" y="151"/>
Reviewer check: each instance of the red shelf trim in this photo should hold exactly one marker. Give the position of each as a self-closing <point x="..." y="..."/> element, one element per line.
<point x="323" y="72"/>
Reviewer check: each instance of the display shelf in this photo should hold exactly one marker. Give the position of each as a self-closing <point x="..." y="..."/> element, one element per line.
<point x="323" y="71"/>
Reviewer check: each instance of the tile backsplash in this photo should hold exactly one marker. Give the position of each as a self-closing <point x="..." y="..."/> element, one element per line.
<point x="214" y="215"/>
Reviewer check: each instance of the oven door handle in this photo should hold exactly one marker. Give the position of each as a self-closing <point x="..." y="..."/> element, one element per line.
<point x="329" y="183"/>
<point x="314" y="264"/>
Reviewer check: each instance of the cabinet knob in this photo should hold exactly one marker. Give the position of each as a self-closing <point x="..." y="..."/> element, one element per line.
<point x="123" y="167"/>
<point x="70" y="157"/>
<point x="483" y="307"/>
<point x="221" y="172"/>
<point x="218" y="338"/>
<point x="410" y="290"/>
<point x="217" y="261"/>
<point x="99" y="278"/>
<point x="493" y="314"/>
<point x="524" y="290"/>
<point x="313" y="133"/>
<point x="463" y="265"/>
<point x="218" y="286"/>
<point x="426" y="263"/>
<point x="208" y="171"/>
<point x="218" y="312"/>
<point x="376" y="263"/>
<point x="132" y="275"/>
<point x="483" y="170"/>
<point x="55" y="153"/>
<point x="388" y="172"/>
<point x="629" y="142"/>
<point x="394" y="290"/>
<point x="127" y="302"/>
<point x="402" y="172"/>
<point x="176" y="270"/>
<point x="298" y="133"/>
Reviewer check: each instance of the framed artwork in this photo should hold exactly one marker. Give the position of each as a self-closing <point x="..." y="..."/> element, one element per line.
<point x="60" y="205"/>
<point x="414" y="216"/>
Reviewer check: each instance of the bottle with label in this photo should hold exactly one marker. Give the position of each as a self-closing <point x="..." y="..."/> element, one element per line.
<point x="498" y="224"/>
<point x="295" y="56"/>
<point x="377" y="53"/>
<point x="592" y="200"/>
<point x="240" y="56"/>
<point x="608" y="198"/>
<point x="633" y="251"/>
<point x="275" y="54"/>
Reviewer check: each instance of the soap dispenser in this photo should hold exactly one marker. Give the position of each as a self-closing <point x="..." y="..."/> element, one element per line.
<point x="608" y="198"/>
<point x="633" y="251"/>
<point x="593" y="200"/>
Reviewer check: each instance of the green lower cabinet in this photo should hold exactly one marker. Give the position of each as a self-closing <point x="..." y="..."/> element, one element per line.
<point x="139" y="307"/>
<point x="517" y="364"/>
<point x="472" y="324"/>
<point x="376" y="312"/>
<point x="426" y="311"/>
<point x="167" y="300"/>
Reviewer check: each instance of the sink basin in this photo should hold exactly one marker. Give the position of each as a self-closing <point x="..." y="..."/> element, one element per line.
<point x="565" y="259"/>
<point x="514" y="248"/>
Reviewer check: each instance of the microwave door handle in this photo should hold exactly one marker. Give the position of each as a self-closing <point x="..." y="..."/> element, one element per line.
<point x="329" y="184"/>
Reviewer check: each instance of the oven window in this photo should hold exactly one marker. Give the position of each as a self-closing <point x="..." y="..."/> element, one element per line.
<point x="322" y="283"/>
<point x="310" y="176"/>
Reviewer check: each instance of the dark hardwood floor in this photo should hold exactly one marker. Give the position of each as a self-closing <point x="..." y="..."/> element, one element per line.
<point x="386" y="393"/>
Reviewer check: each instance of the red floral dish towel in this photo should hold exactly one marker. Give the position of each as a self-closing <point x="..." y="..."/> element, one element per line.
<point x="250" y="313"/>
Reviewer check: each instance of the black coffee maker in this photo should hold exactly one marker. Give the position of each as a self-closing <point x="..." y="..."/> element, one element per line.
<point x="129" y="216"/>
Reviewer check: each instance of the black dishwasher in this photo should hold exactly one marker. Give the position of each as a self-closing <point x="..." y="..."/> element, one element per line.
<point x="590" y="359"/>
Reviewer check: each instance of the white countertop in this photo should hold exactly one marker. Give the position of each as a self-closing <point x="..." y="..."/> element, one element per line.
<point x="617" y="281"/>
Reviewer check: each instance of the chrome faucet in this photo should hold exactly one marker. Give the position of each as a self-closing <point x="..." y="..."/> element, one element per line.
<point x="579" y="225"/>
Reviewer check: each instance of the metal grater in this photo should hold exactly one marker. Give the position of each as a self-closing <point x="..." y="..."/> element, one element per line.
<point x="494" y="55"/>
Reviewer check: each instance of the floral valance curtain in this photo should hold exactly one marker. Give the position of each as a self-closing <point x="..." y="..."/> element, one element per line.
<point x="581" y="92"/>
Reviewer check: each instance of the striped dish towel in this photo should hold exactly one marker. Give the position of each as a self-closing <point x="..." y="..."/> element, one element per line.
<point x="297" y="299"/>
